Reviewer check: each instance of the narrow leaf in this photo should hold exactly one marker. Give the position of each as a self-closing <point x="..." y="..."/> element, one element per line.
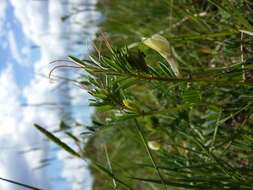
<point x="56" y="140"/>
<point x="20" y="184"/>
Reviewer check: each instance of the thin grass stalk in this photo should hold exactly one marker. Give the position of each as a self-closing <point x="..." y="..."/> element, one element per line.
<point x="242" y="58"/>
<point x="79" y="155"/>
<point x="20" y="184"/>
<point x="110" y="167"/>
<point x="149" y="153"/>
<point x="216" y="128"/>
<point x="168" y="79"/>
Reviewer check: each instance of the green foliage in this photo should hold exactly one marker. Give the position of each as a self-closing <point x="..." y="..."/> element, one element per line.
<point x="201" y="121"/>
<point x="57" y="141"/>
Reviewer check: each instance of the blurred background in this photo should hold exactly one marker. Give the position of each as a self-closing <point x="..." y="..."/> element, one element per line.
<point x="34" y="33"/>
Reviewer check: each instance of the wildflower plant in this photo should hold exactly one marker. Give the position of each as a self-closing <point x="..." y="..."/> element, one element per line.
<point x="174" y="109"/>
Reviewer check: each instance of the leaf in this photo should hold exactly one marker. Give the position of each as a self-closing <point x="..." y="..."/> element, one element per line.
<point x="73" y="137"/>
<point x="126" y="83"/>
<point x="77" y="61"/>
<point x="191" y="96"/>
<point x="166" y="69"/>
<point x="20" y="184"/>
<point x="104" y="108"/>
<point x="56" y="140"/>
<point x="129" y="104"/>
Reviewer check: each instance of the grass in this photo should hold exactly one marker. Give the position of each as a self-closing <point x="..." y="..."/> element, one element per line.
<point x="19" y="184"/>
<point x="200" y="121"/>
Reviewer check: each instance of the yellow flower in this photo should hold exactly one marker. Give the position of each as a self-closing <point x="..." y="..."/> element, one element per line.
<point x="162" y="46"/>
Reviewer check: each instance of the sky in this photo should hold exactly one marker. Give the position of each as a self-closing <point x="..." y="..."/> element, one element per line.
<point x="33" y="33"/>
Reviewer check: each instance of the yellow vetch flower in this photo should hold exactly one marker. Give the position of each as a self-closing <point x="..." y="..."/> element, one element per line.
<point x="162" y="46"/>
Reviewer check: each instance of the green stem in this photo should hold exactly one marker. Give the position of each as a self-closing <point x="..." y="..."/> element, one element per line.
<point x="19" y="184"/>
<point x="168" y="79"/>
<point x="149" y="152"/>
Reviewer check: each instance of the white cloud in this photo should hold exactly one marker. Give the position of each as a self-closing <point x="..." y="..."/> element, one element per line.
<point x="8" y="101"/>
<point x="41" y="23"/>
<point x="14" y="133"/>
<point x="3" y="6"/>
<point x="14" y="48"/>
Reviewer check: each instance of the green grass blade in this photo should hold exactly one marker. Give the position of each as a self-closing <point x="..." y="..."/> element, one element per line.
<point x="20" y="184"/>
<point x="104" y="170"/>
<point x="56" y="140"/>
<point x="110" y="166"/>
<point x="149" y="152"/>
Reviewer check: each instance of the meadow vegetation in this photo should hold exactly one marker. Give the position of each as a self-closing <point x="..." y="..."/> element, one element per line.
<point x="171" y="82"/>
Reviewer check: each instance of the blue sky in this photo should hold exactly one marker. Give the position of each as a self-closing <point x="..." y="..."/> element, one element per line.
<point x="32" y="34"/>
<point x="12" y="25"/>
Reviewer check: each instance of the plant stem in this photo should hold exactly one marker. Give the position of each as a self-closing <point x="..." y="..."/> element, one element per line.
<point x="149" y="152"/>
<point x="168" y="79"/>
